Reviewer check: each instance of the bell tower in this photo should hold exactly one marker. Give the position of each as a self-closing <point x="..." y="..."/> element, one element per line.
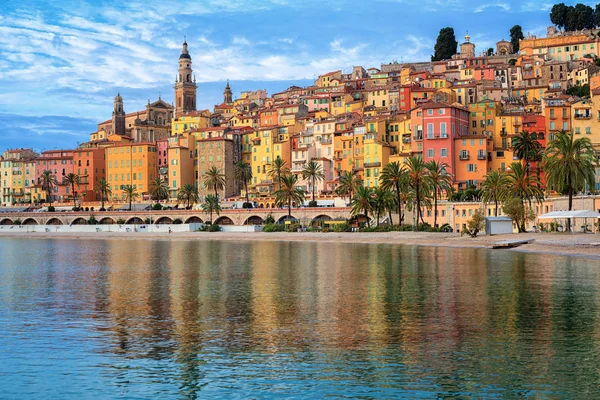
<point x="227" y="94"/>
<point x="185" y="84"/>
<point x="118" y="116"/>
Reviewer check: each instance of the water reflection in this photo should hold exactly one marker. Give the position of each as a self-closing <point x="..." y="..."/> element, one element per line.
<point x="187" y="319"/>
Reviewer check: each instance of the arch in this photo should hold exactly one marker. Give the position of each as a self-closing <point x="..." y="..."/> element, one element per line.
<point x="194" y="220"/>
<point x="30" y="221"/>
<point x="261" y="205"/>
<point x="286" y="218"/>
<point x="358" y="219"/>
<point x="107" y="221"/>
<point x="54" y="221"/>
<point x="134" y="221"/>
<point x="163" y="221"/>
<point x="224" y="221"/>
<point x="79" y="221"/>
<point x="6" y="221"/>
<point x="254" y="220"/>
<point x="319" y="219"/>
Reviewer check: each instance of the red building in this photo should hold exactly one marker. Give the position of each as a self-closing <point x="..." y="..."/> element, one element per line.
<point x="163" y="157"/>
<point x="90" y="165"/>
<point x="60" y="163"/>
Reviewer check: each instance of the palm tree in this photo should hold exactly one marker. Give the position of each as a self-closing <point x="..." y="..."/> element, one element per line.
<point x="384" y="200"/>
<point x="313" y="172"/>
<point x="527" y="148"/>
<point x="131" y="194"/>
<point x="214" y="180"/>
<point x="278" y="169"/>
<point x="569" y="164"/>
<point x="159" y="189"/>
<point x="362" y="201"/>
<point x="211" y="205"/>
<point x="103" y="190"/>
<point x="523" y="187"/>
<point x="189" y="194"/>
<point x="49" y="182"/>
<point x="418" y="182"/>
<point x="288" y="193"/>
<point x="71" y="180"/>
<point x="243" y="173"/>
<point x="395" y="177"/>
<point x="348" y="181"/>
<point x="494" y="188"/>
<point x="439" y="180"/>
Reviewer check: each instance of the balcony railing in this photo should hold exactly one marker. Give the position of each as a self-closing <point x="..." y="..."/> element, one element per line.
<point x="372" y="164"/>
<point x="464" y="156"/>
<point x="583" y="116"/>
<point x="481" y="156"/>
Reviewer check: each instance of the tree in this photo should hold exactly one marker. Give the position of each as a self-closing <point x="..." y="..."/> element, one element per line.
<point x="515" y="209"/>
<point x="439" y="180"/>
<point x="395" y="177"/>
<point x="348" y="181"/>
<point x="476" y="224"/>
<point x="569" y="164"/>
<point x="384" y="201"/>
<point x="288" y="193"/>
<point x="572" y="18"/>
<point x="417" y="178"/>
<point x="362" y="201"/>
<point x="490" y="51"/>
<point x="524" y="187"/>
<point x="243" y="173"/>
<point x="527" y="148"/>
<point x="189" y="194"/>
<point x="558" y="15"/>
<point x="49" y="182"/>
<point x="494" y="188"/>
<point x="313" y="172"/>
<point x="579" y="90"/>
<point x="211" y="205"/>
<point x="159" y="189"/>
<point x="214" y="180"/>
<point x="516" y="34"/>
<point x="278" y="169"/>
<point x="71" y="180"/>
<point x="103" y="189"/>
<point x="445" y="46"/>
<point x="131" y="194"/>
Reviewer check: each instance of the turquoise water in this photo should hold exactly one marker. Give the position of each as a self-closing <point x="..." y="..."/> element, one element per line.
<point x="207" y="319"/>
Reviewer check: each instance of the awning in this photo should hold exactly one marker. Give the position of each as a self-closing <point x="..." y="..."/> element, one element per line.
<point x="570" y="214"/>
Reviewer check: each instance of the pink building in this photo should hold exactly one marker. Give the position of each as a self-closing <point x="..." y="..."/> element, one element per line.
<point x="442" y="123"/>
<point x="162" y="157"/>
<point x="318" y="102"/>
<point x="60" y="162"/>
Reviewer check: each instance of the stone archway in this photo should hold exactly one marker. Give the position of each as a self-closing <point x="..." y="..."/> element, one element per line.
<point x="30" y="221"/>
<point x="286" y="218"/>
<point x="164" y="221"/>
<point x="224" y="221"/>
<point x="6" y="221"/>
<point x="358" y="220"/>
<point x="194" y="220"/>
<point x="107" y="221"/>
<point x="319" y="220"/>
<point x="79" y="221"/>
<point x="134" y="221"/>
<point x="254" y="220"/>
<point x="54" y="221"/>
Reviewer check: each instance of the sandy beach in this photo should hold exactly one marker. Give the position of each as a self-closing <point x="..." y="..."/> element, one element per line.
<point x="585" y="245"/>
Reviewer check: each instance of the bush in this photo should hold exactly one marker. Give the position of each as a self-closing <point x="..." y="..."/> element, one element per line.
<point x="101" y="209"/>
<point x="147" y="221"/>
<point x="120" y="221"/>
<point x="446" y="228"/>
<point x="269" y="220"/>
<point x="475" y="224"/>
<point x="274" y="228"/>
<point x="157" y="207"/>
<point x="345" y="227"/>
<point x="293" y="227"/>
<point x="17" y="222"/>
<point x="312" y="203"/>
<point x="177" y="221"/>
<point x="425" y="227"/>
<point x="92" y="220"/>
<point x="51" y="209"/>
<point x="76" y="209"/>
<point x="247" y="205"/>
<point x="209" y="228"/>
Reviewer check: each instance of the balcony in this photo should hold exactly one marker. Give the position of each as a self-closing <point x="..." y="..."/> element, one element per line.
<point x="464" y="156"/>
<point x="406" y="140"/>
<point x="583" y="116"/>
<point x="372" y="164"/>
<point x="503" y="132"/>
<point x="325" y="142"/>
<point x="481" y="156"/>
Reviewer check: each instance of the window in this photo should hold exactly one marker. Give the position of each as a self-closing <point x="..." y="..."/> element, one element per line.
<point x="471" y="167"/>
<point x="443" y="132"/>
<point x="430" y="153"/>
<point x="443" y="152"/>
<point x="429" y="131"/>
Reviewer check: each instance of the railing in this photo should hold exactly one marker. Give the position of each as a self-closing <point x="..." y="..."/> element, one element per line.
<point x="372" y="164"/>
<point x="583" y="116"/>
<point x="464" y="156"/>
<point x="481" y="156"/>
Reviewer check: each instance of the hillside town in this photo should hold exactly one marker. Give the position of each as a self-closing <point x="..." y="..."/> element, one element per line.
<point x="473" y="114"/>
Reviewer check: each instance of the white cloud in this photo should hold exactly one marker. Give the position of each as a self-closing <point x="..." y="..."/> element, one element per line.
<point x="501" y="6"/>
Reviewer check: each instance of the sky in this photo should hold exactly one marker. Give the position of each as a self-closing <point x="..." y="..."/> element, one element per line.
<point x="62" y="62"/>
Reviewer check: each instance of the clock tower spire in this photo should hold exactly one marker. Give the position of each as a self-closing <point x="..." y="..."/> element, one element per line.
<point x="185" y="84"/>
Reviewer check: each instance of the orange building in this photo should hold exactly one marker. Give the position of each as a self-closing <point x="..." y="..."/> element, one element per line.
<point x="90" y="165"/>
<point x="471" y="160"/>
<point x="131" y="164"/>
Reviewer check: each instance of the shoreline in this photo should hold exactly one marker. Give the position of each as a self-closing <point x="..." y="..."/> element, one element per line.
<point x="577" y="245"/>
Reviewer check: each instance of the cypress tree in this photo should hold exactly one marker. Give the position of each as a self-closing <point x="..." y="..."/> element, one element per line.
<point x="445" y="46"/>
<point x="516" y="34"/>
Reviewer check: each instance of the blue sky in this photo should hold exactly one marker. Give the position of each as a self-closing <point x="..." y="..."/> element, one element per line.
<point x="62" y="62"/>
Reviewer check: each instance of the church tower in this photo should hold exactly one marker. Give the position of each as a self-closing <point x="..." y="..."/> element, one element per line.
<point x="227" y="94"/>
<point x="118" y="116"/>
<point x="185" y="85"/>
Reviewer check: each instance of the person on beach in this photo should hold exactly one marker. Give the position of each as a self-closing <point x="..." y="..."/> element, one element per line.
<point x="169" y="230"/>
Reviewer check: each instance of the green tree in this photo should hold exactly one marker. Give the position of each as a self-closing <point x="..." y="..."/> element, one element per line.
<point x="189" y="194"/>
<point x="524" y="187"/>
<point x="103" y="190"/>
<point x="211" y="205"/>
<point x="313" y="172"/>
<point x="570" y="164"/>
<point x="362" y="201"/>
<point x="490" y="52"/>
<point x="288" y="193"/>
<point x="278" y="169"/>
<point x="159" y="189"/>
<point x="71" y="180"/>
<point x="439" y="181"/>
<point x="494" y="188"/>
<point x="243" y="174"/>
<point x="348" y="181"/>
<point x="214" y="180"/>
<point x="445" y="46"/>
<point x="558" y="15"/>
<point x="384" y="201"/>
<point x="527" y="148"/>
<point x="418" y="183"/>
<point x="516" y="34"/>
<point x="395" y="177"/>
<point x="476" y="223"/>
<point x="131" y="194"/>
<point x="49" y="182"/>
<point x="579" y="90"/>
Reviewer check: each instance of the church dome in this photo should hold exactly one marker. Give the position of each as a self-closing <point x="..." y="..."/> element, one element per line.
<point x="118" y="98"/>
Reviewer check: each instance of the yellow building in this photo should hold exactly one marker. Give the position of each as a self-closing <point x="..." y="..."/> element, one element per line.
<point x="17" y="175"/>
<point x="378" y="97"/>
<point x="187" y="122"/>
<point x="263" y="146"/>
<point x="399" y="134"/>
<point x="376" y="157"/>
<point x="181" y="158"/>
<point x="482" y="117"/>
<point x="131" y="164"/>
